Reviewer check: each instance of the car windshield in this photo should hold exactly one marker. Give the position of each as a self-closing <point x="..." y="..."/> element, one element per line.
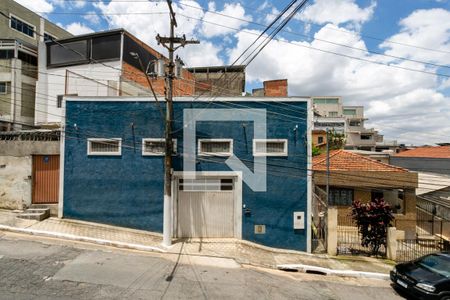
<point x="436" y="263"/>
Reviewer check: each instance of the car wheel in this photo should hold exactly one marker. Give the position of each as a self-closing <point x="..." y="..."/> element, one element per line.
<point x="445" y="298"/>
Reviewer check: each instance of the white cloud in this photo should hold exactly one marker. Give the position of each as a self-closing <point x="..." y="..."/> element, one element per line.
<point x="205" y="54"/>
<point x="146" y="27"/>
<point x="41" y="6"/>
<point x="426" y="29"/>
<point x="77" y="28"/>
<point x="79" y="4"/>
<point x="384" y="91"/>
<point x="337" y="12"/>
<point x="237" y="20"/>
<point x="92" y="18"/>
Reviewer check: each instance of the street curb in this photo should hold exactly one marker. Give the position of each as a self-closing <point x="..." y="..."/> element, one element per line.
<point x="330" y="272"/>
<point x="78" y="238"/>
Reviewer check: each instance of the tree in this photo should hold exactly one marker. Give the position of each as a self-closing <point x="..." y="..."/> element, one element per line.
<point x="316" y="150"/>
<point x="336" y="140"/>
<point x="372" y="220"/>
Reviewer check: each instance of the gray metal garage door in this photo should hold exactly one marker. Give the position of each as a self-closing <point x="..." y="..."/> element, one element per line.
<point x="206" y="207"/>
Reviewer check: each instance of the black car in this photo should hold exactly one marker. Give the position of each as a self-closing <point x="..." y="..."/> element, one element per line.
<point x="425" y="278"/>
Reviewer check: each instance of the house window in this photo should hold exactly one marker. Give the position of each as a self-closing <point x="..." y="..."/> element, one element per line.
<point x="215" y="147"/>
<point x="349" y="112"/>
<point x="274" y="147"/>
<point x="326" y="101"/>
<point x="4" y="88"/>
<point x="355" y="123"/>
<point x="320" y="139"/>
<point x="21" y="26"/>
<point x="48" y="37"/>
<point x="205" y="184"/>
<point x="157" y="146"/>
<point x="112" y="146"/>
<point x="366" y="136"/>
<point x="59" y="100"/>
<point x="341" y="197"/>
<point x="396" y="199"/>
<point x="333" y="113"/>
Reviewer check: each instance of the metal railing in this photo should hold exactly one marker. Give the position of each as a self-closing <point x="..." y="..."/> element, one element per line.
<point x="410" y="249"/>
<point x="349" y="239"/>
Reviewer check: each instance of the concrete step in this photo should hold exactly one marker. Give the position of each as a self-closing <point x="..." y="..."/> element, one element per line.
<point x="53" y="208"/>
<point x="38" y="214"/>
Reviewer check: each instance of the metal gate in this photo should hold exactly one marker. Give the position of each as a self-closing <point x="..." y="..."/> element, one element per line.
<point x="206" y="208"/>
<point x="319" y="221"/>
<point x="45" y="179"/>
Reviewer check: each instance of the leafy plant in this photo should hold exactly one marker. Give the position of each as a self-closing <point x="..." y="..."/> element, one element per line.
<point x="336" y="140"/>
<point x="372" y="220"/>
<point x="316" y="151"/>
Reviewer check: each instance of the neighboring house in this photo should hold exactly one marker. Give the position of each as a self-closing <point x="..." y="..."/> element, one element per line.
<point x="219" y="80"/>
<point x="433" y="204"/>
<point x="383" y="157"/>
<point x="332" y="114"/>
<point x="101" y="64"/>
<point x="20" y="36"/>
<point x="114" y="168"/>
<point x="425" y="159"/>
<point x="356" y="177"/>
<point x="433" y="212"/>
<point x="29" y="168"/>
<point x="272" y="88"/>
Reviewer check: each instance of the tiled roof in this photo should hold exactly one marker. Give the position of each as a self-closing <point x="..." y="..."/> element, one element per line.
<point x="429" y="152"/>
<point x="341" y="160"/>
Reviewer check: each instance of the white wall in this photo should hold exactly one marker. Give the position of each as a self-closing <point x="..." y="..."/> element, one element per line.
<point x="15" y="182"/>
<point x="57" y="81"/>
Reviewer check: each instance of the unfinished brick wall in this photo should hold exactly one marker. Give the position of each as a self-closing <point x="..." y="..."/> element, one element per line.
<point x="276" y="88"/>
<point x="182" y="87"/>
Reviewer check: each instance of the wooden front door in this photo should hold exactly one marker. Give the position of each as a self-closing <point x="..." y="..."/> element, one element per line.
<point x="45" y="179"/>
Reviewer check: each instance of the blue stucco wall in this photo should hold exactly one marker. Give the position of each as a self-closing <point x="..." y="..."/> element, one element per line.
<point x="127" y="190"/>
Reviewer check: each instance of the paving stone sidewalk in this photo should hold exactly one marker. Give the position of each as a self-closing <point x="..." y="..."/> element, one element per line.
<point x="243" y="252"/>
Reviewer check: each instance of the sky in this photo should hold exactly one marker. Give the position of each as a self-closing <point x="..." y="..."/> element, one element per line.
<point x="392" y="57"/>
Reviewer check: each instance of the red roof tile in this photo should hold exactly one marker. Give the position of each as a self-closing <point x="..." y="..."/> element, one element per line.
<point x="341" y="160"/>
<point x="429" y="152"/>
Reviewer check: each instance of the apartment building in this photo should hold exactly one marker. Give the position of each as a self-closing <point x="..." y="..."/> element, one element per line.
<point x="21" y="32"/>
<point x="332" y="114"/>
<point x="109" y="63"/>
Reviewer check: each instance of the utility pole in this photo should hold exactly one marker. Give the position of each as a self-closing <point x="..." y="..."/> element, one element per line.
<point x="328" y="167"/>
<point x="169" y="43"/>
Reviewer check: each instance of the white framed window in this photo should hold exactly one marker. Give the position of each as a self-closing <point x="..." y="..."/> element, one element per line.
<point x="4" y="87"/>
<point x="206" y="184"/>
<point x="48" y="37"/>
<point x="270" y="147"/>
<point x="104" y="146"/>
<point x="156" y="146"/>
<point x="215" y="147"/>
<point x="22" y="26"/>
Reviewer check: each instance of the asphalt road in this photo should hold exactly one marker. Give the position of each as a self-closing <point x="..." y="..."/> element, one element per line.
<point x="41" y="268"/>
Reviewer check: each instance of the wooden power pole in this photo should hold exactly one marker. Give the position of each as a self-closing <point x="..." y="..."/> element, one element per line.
<point x="169" y="43"/>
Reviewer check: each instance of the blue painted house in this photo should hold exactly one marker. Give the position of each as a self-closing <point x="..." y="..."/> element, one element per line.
<point x="240" y="167"/>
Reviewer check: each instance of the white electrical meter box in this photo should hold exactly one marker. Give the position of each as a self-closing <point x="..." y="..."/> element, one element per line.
<point x="299" y="220"/>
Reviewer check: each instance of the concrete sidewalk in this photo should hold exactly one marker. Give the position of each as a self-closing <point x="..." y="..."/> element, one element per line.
<point x="243" y="252"/>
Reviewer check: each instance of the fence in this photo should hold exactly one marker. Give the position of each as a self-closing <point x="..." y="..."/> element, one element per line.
<point x="319" y="221"/>
<point x="410" y="249"/>
<point x="349" y="238"/>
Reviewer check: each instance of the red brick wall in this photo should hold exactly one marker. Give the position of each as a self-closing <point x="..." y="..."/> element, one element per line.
<point x="276" y="88"/>
<point x="182" y="87"/>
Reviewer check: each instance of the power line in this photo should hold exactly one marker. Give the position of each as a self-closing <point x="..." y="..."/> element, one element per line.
<point x="321" y="40"/>
<point x="253" y="9"/>
<point x="325" y="51"/>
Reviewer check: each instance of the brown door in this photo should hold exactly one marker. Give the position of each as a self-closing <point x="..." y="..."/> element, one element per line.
<point x="45" y="179"/>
